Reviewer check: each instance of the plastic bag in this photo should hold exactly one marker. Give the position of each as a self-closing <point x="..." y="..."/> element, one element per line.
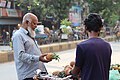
<point x="114" y="75"/>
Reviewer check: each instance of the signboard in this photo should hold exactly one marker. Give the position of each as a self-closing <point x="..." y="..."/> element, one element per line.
<point x="75" y="15"/>
<point x="10" y="12"/>
<point x="2" y="3"/>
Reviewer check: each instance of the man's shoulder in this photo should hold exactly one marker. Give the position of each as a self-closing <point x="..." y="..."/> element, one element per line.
<point x="90" y="42"/>
<point x="17" y="34"/>
<point x="84" y="42"/>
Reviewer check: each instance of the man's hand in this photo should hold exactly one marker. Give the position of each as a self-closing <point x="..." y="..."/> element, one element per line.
<point x="43" y="58"/>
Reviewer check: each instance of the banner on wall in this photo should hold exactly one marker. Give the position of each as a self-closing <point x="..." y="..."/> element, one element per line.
<point x="75" y="15"/>
<point x="10" y="12"/>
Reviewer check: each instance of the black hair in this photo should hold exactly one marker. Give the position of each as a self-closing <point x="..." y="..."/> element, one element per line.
<point x="93" y="22"/>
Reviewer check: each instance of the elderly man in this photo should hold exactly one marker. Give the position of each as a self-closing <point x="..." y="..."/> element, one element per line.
<point x="27" y="55"/>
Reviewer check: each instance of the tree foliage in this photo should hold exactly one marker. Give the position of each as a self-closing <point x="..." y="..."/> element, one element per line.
<point x="42" y="8"/>
<point x="109" y="9"/>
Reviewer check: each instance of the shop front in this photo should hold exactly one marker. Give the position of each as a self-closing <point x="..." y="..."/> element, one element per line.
<point x="9" y="24"/>
<point x="9" y="20"/>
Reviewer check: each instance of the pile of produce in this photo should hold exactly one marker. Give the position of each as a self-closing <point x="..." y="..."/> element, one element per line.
<point x="66" y="22"/>
<point x="65" y="26"/>
<point x="66" y="29"/>
<point x="65" y="72"/>
<point x="51" y="56"/>
<point x="115" y="67"/>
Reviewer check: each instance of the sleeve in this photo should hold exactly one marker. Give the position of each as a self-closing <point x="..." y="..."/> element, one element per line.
<point x="19" y="51"/>
<point x="79" y="57"/>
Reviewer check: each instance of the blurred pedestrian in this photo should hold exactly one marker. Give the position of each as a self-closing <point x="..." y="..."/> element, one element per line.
<point x="117" y="30"/>
<point x="16" y="28"/>
<point x="93" y="56"/>
<point x="27" y="55"/>
<point x="14" y="31"/>
<point x="4" y="37"/>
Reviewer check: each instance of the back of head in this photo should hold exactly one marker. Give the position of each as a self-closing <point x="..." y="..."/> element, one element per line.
<point x="93" y="22"/>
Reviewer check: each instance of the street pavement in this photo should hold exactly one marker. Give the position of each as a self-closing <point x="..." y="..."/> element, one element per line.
<point x="8" y="72"/>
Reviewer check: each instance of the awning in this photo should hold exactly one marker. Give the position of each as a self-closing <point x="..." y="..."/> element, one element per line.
<point x="11" y="21"/>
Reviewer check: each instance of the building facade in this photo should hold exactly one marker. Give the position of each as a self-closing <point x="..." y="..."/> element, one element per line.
<point x="10" y="16"/>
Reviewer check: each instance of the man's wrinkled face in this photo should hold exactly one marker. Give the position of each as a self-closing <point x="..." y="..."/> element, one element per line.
<point x="33" y="23"/>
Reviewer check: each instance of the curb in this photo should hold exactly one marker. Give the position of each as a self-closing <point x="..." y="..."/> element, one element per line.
<point x="59" y="46"/>
<point x="7" y="56"/>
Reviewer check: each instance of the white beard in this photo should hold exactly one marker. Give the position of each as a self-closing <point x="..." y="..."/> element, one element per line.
<point x="31" y="32"/>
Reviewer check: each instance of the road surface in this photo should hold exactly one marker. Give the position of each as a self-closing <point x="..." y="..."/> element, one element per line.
<point x="8" y="72"/>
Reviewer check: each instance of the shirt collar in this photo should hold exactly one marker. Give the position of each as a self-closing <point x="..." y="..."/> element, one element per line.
<point x="23" y="30"/>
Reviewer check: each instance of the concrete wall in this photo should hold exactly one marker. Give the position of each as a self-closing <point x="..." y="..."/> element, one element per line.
<point x="6" y="56"/>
